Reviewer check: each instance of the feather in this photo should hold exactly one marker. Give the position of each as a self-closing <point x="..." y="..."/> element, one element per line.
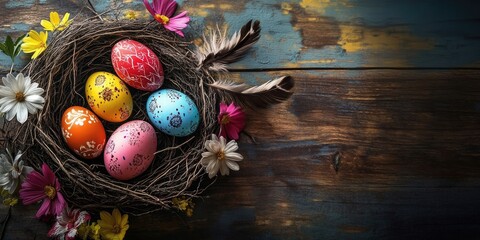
<point x="262" y="96"/>
<point x="217" y="50"/>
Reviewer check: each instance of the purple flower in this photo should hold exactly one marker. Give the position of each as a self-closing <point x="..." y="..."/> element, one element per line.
<point x="232" y="120"/>
<point x="46" y="187"/>
<point x="68" y="223"/>
<point x="163" y="10"/>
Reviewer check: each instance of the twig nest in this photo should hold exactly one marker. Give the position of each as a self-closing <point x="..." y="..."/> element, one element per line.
<point x="83" y="49"/>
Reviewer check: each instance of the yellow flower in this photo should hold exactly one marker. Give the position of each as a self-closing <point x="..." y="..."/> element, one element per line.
<point x="8" y="200"/>
<point x="130" y="15"/>
<point x="184" y="204"/>
<point x="113" y="226"/>
<point x="89" y="231"/>
<point x="95" y="231"/>
<point x="54" y="23"/>
<point x="35" y="42"/>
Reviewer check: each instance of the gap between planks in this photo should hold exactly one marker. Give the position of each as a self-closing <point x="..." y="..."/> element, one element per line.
<point x="348" y="68"/>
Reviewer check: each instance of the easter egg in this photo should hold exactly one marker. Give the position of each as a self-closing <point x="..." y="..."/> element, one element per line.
<point x="173" y="112"/>
<point x="108" y="97"/>
<point x="137" y="65"/>
<point x="83" y="132"/>
<point x="130" y="150"/>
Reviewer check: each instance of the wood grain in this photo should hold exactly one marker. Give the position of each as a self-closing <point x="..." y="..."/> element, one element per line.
<point x="355" y="153"/>
<point x="406" y="145"/>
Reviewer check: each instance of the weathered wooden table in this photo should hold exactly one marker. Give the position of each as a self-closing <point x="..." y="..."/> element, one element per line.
<point x="381" y="139"/>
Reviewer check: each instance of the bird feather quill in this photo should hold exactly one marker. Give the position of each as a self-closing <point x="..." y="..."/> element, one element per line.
<point x="217" y="50"/>
<point x="261" y="96"/>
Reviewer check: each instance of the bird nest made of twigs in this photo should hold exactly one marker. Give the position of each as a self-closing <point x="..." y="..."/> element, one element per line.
<point x="84" y="48"/>
<point x="62" y="70"/>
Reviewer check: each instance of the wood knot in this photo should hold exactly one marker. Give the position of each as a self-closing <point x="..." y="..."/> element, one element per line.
<point x="336" y="159"/>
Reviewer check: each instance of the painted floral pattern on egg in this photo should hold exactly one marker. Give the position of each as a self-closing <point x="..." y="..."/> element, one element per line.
<point x="109" y="97"/>
<point x="130" y="150"/>
<point x="83" y="132"/>
<point x="137" y="65"/>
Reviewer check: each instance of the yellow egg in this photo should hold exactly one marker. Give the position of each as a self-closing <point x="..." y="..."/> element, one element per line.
<point x="108" y="97"/>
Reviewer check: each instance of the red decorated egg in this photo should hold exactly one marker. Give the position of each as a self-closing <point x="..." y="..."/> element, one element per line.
<point x="137" y="65"/>
<point x="83" y="132"/>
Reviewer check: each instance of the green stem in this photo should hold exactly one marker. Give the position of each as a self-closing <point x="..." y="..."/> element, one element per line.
<point x="11" y="68"/>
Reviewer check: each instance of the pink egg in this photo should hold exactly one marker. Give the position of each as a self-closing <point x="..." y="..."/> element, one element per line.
<point x="137" y="65"/>
<point x="130" y="150"/>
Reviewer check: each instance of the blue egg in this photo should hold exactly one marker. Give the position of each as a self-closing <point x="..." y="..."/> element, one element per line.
<point x="173" y="112"/>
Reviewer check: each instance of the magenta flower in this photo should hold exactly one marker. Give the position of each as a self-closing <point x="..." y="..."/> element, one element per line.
<point x="68" y="223"/>
<point x="163" y="10"/>
<point x="44" y="187"/>
<point x="232" y="120"/>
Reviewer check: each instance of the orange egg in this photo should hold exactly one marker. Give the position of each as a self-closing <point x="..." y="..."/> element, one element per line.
<point x="83" y="132"/>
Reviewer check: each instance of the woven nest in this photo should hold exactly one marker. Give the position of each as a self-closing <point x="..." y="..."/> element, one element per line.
<point x="63" y="69"/>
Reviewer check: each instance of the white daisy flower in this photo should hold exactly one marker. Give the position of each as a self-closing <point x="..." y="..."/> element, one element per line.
<point x="19" y="96"/>
<point x="12" y="171"/>
<point x="220" y="156"/>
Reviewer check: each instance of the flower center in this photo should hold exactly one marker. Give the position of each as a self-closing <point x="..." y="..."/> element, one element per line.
<point x="20" y="97"/>
<point x="221" y="155"/>
<point x="162" y="19"/>
<point x="116" y="229"/>
<point x="44" y="44"/>
<point x="50" y="191"/>
<point x="225" y="119"/>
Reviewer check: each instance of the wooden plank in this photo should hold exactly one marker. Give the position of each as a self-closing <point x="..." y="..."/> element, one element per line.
<point x="345" y="33"/>
<point x="353" y="155"/>
<point x="18" y="17"/>
<point x="310" y="33"/>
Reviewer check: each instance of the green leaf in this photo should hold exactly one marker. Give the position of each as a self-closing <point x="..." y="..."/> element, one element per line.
<point x="19" y="39"/>
<point x="2" y="47"/>
<point x="10" y="46"/>
<point x="17" y="51"/>
<point x="18" y="45"/>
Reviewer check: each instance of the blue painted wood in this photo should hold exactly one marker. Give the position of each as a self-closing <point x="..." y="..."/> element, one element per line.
<point x="310" y="33"/>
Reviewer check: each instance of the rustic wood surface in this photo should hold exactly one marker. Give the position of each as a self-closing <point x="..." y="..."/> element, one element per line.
<point x="381" y="139"/>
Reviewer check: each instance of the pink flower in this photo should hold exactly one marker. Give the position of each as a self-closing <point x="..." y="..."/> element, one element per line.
<point x="231" y="119"/>
<point x="163" y="10"/>
<point x="67" y="224"/>
<point x="44" y="187"/>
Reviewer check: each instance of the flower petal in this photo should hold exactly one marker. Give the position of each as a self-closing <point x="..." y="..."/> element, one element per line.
<point x="56" y="230"/>
<point x="233" y="156"/>
<point x="54" y="18"/>
<point x="231" y="146"/>
<point x="65" y="19"/>
<point x="59" y="203"/>
<point x="48" y="174"/>
<point x="232" y="165"/>
<point x="22" y="114"/>
<point x="31" y="109"/>
<point x="107" y="218"/>
<point x="44" y="209"/>
<point x="212" y="168"/>
<point x="124" y="221"/>
<point x="224" y="169"/>
<point x="7" y="105"/>
<point x="169" y="8"/>
<point x="149" y="7"/>
<point x="47" y="26"/>
<point x="12" y="112"/>
<point x="223" y="108"/>
<point x="117" y="216"/>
